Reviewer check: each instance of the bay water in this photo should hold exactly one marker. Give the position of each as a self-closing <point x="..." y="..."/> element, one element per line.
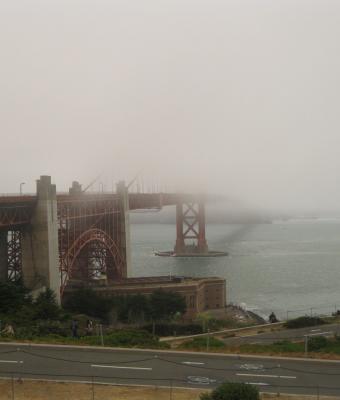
<point x="291" y="268"/>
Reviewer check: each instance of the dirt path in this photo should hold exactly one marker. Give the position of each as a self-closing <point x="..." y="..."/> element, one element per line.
<point x="37" y="390"/>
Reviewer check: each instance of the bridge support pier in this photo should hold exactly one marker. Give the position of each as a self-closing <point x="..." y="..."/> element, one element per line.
<point x="3" y="256"/>
<point x="40" y="266"/>
<point x="190" y="226"/>
<point x="190" y="222"/>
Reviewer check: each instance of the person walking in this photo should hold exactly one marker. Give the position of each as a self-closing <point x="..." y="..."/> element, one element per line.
<point x="74" y="328"/>
<point x="89" y="327"/>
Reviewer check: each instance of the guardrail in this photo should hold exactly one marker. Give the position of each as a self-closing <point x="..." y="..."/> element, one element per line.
<point x="221" y="332"/>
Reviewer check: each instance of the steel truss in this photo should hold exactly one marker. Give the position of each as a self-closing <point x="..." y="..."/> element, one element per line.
<point x="89" y="239"/>
<point x="15" y="215"/>
<point x="14" y="254"/>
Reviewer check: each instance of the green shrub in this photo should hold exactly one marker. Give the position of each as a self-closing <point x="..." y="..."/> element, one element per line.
<point x="303" y="322"/>
<point x="168" y="329"/>
<point x="317" y="343"/>
<point x="128" y="338"/>
<point x="202" y="342"/>
<point x="286" y="346"/>
<point x="205" y="396"/>
<point x="233" y="391"/>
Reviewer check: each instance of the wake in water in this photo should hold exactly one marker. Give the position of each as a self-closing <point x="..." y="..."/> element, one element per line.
<point x="235" y="236"/>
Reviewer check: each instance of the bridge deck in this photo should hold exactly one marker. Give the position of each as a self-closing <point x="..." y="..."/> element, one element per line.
<point x="17" y="210"/>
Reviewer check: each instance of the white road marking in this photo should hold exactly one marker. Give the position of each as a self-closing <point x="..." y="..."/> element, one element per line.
<point x="319" y="334"/>
<point x="192" y="363"/>
<point x="200" y="380"/>
<point x="257" y="383"/>
<point x="269" y="376"/>
<point x="315" y="330"/>
<point x="11" y="362"/>
<point x="252" y="367"/>
<point x="117" y="367"/>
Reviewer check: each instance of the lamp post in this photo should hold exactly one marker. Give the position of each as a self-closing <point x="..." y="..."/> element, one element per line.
<point x="21" y="185"/>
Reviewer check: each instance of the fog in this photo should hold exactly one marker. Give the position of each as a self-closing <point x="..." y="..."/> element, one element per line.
<point x="233" y="97"/>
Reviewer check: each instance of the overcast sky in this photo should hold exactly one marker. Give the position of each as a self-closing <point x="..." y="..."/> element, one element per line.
<point x="239" y="97"/>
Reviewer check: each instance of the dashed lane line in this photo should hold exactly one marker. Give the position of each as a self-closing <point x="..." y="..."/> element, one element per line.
<point x="268" y="376"/>
<point x="11" y="362"/>
<point x="118" y="367"/>
<point x="192" y="363"/>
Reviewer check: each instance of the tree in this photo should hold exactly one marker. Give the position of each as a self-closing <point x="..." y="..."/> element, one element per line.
<point x="233" y="391"/>
<point x="132" y="308"/>
<point x="303" y="322"/>
<point x="204" y="318"/>
<point x="138" y="307"/>
<point x="13" y="295"/>
<point x="165" y="305"/>
<point x="46" y="306"/>
<point x="86" y="301"/>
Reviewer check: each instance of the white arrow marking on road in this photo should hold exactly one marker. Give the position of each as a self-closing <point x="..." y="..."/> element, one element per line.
<point x="192" y="363"/>
<point x="11" y="362"/>
<point x="255" y="367"/>
<point x="116" y="367"/>
<point x="269" y="376"/>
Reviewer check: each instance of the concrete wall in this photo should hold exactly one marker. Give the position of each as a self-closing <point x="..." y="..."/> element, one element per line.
<point x="40" y="264"/>
<point x="3" y="256"/>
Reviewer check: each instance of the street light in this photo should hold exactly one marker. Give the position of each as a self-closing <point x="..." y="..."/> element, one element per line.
<point x="21" y="185"/>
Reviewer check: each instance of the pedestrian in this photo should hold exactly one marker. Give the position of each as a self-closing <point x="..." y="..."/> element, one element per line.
<point x="89" y="327"/>
<point x="74" y="328"/>
<point x="8" y="330"/>
<point x="272" y="318"/>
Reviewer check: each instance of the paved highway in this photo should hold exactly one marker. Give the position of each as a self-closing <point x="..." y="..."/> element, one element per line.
<point x="163" y="368"/>
<point x="287" y="334"/>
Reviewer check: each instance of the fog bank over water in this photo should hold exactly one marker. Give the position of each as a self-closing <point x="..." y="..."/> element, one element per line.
<point x="233" y="97"/>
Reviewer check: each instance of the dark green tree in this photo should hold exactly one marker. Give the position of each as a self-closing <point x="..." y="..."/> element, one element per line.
<point x="46" y="307"/>
<point x="233" y="391"/>
<point x="165" y="305"/>
<point x="87" y="301"/>
<point x="133" y="308"/>
<point x="13" y="296"/>
<point x="138" y="308"/>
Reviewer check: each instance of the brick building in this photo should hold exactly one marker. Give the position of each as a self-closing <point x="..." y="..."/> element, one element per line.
<point x="201" y="294"/>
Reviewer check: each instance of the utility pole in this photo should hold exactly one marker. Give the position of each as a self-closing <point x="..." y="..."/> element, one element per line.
<point x="306" y="345"/>
<point x="100" y="329"/>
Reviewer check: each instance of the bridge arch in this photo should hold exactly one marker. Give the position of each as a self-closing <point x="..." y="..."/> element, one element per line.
<point x="89" y="236"/>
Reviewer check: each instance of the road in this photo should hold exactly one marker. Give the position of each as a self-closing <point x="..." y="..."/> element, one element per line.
<point x="165" y="368"/>
<point x="327" y="330"/>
